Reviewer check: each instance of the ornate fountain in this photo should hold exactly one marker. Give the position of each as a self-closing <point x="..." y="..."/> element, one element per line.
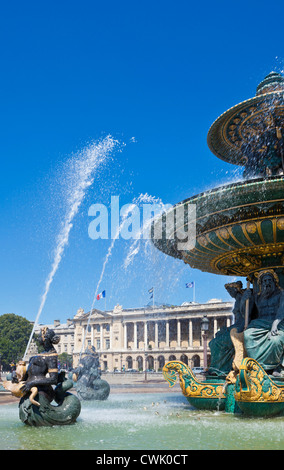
<point x="240" y="232"/>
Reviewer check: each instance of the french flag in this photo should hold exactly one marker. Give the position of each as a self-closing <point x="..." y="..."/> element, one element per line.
<point x="102" y="294"/>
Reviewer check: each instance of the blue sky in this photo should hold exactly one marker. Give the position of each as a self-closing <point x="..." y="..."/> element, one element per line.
<point x="154" y="75"/>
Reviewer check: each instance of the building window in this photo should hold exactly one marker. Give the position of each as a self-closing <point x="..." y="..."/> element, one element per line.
<point x="98" y="344"/>
<point x="107" y="343"/>
<point x="98" y="328"/>
<point x="107" y="327"/>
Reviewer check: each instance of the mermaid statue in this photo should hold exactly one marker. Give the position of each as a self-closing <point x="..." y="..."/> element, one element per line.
<point x="89" y="385"/>
<point x="40" y="384"/>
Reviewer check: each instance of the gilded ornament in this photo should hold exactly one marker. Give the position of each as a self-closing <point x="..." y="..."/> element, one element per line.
<point x="224" y="233"/>
<point x="190" y="386"/>
<point x="255" y="385"/>
<point x="202" y="241"/>
<point x="280" y="223"/>
<point x="251" y="227"/>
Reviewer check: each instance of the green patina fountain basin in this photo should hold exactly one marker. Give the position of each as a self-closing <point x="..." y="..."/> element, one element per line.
<point x="239" y="228"/>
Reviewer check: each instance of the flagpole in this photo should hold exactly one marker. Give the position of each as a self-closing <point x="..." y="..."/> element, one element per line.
<point x="194" y="291"/>
<point x="151" y="291"/>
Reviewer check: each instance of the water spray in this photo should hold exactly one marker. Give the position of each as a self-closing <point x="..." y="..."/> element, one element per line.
<point x="85" y="163"/>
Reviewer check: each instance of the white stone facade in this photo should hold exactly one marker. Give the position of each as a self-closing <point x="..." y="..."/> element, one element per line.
<point x="138" y="338"/>
<point x="142" y="338"/>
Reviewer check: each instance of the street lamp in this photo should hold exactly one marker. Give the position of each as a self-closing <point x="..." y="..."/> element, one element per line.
<point x="204" y="329"/>
<point x="146" y="364"/>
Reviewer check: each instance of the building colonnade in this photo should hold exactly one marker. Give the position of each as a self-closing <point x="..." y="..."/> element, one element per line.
<point x="145" y="339"/>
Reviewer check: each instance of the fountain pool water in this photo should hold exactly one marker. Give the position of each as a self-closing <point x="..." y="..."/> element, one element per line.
<point x="143" y="422"/>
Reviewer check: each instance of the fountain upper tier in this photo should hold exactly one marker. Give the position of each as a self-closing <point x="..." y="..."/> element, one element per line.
<point x="251" y="133"/>
<point x="240" y="226"/>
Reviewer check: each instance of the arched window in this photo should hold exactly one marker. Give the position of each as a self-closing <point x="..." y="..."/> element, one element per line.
<point x="195" y="361"/>
<point x="150" y="361"/>
<point x="129" y="362"/>
<point x="161" y="362"/>
<point x="140" y="362"/>
<point x="184" y="359"/>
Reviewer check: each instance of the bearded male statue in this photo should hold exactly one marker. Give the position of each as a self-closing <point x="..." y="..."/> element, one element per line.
<point x="264" y="336"/>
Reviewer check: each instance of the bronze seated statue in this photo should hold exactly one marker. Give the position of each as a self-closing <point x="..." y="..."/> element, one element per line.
<point x="263" y="336"/>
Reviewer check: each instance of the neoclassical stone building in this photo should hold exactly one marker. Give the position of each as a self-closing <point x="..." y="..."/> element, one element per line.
<point x="140" y="337"/>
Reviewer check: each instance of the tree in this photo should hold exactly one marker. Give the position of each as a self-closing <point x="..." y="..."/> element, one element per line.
<point x="14" y="336"/>
<point x="65" y="360"/>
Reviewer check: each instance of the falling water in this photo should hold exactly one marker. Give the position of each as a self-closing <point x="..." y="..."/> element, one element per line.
<point x="84" y="166"/>
<point x="130" y="208"/>
<point x="141" y="239"/>
<point x="144" y="232"/>
<point x="161" y="272"/>
<point x="140" y="257"/>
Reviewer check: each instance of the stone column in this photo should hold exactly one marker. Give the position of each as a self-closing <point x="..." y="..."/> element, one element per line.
<point x="215" y="326"/>
<point x="178" y="333"/>
<point x="125" y="335"/>
<point x="145" y="335"/>
<point x="102" y="336"/>
<point x="156" y="335"/>
<point x="167" y="334"/>
<point x="135" y="335"/>
<point x="110" y="336"/>
<point x="83" y="338"/>
<point x="190" y="337"/>
<point x="92" y="335"/>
